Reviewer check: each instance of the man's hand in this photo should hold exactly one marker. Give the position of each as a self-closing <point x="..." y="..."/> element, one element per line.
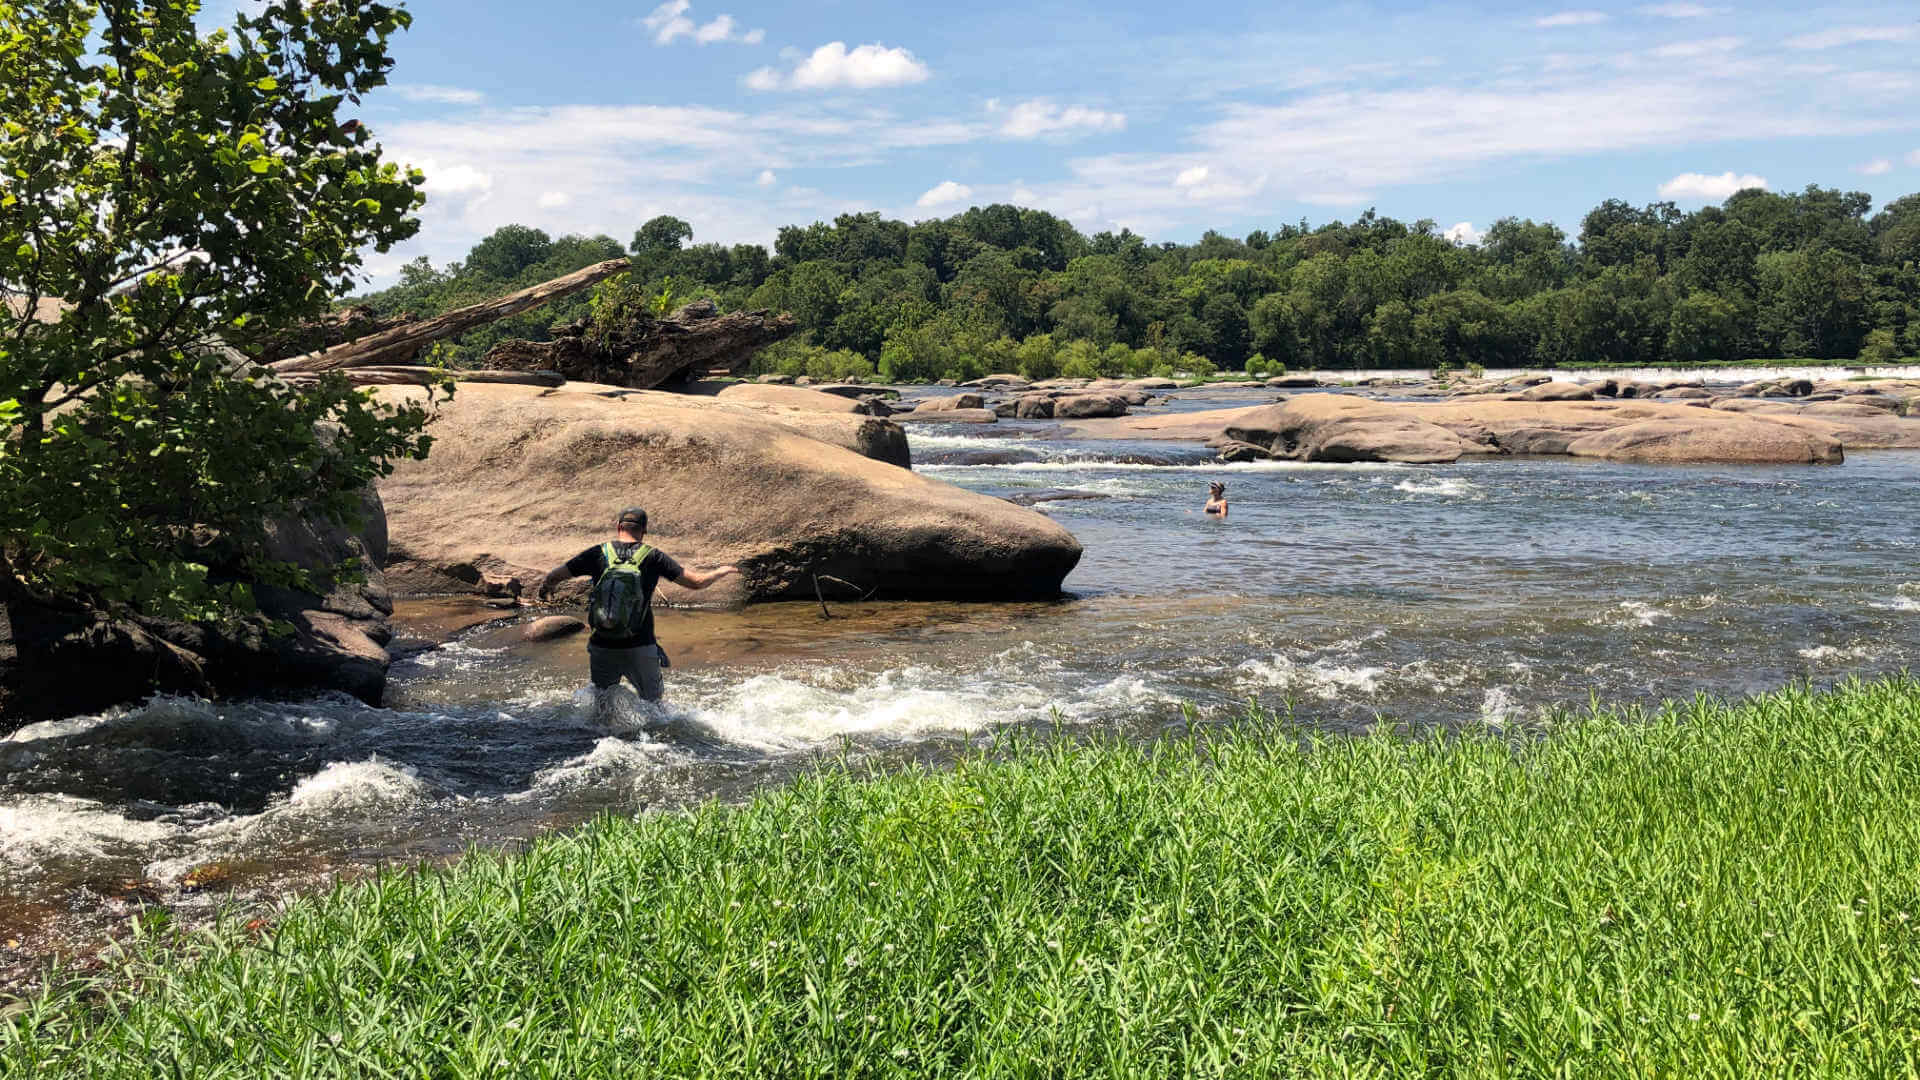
<point x="554" y="577"/>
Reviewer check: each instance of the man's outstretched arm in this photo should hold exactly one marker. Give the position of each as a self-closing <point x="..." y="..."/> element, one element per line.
<point x="694" y="579"/>
<point x="554" y="577"/>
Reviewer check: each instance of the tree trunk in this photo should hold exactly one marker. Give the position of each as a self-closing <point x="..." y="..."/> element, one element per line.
<point x="652" y="351"/>
<point x="402" y="343"/>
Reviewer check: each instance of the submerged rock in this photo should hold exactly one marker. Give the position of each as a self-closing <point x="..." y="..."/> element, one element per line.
<point x="552" y="628"/>
<point x="520" y="480"/>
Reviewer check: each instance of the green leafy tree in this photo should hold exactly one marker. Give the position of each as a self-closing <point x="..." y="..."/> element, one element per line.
<point x="157" y="189"/>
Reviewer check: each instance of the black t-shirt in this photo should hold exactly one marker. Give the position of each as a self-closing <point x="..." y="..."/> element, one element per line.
<point x="593" y="562"/>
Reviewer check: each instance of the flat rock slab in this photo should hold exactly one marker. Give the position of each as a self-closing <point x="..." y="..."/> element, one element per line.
<point x="521" y="479"/>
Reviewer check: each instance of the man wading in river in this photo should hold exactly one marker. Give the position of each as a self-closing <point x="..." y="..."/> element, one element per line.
<point x="620" y="611"/>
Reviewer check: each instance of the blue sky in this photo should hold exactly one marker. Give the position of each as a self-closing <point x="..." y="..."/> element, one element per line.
<point x="592" y="116"/>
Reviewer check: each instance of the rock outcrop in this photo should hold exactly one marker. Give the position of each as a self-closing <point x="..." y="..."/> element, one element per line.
<point x="521" y="479"/>
<point x="58" y="663"/>
<point x="1343" y="428"/>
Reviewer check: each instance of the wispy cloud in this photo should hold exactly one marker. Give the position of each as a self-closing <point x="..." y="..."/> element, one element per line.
<point x="945" y="193"/>
<point x="1032" y="119"/>
<point x="1682" y="11"/>
<point x="1571" y="18"/>
<point x="1851" y="35"/>
<point x="1695" y="185"/>
<point x="1686" y="50"/>
<point x="669" y="22"/>
<point x="439" y="95"/>
<point x="833" y="66"/>
<point x="1876" y="167"/>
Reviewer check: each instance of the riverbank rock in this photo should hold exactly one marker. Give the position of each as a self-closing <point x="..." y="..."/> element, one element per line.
<point x="521" y="480"/>
<point x="951" y="403"/>
<point x="55" y="663"/>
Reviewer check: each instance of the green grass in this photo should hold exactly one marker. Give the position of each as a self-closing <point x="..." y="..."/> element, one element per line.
<point x="1703" y="891"/>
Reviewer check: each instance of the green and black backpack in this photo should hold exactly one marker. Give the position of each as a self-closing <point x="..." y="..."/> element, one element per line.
<point x="619" y="601"/>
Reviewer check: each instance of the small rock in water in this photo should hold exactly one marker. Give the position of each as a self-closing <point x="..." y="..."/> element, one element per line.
<point x="552" y="627"/>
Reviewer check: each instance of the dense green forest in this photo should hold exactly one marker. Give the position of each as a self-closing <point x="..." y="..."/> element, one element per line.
<point x="1815" y="275"/>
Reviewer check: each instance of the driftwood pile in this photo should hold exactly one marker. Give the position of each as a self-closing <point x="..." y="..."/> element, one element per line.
<point x="693" y="340"/>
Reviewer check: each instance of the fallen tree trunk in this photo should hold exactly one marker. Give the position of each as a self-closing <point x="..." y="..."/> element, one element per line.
<point x="420" y="375"/>
<point x="652" y="352"/>
<point x="402" y="343"/>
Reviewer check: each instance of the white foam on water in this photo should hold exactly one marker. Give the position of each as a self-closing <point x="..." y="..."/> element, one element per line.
<point x="1322" y="678"/>
<point x="788" y="711"/>
<point x="1828" y="653"/>
<point x="166" y="713"/>
<point x="36" y="828"/>
<point x="1633" y="613"/>
<point x="1907" y="604"/>
<point x="612" y="759"/>
<point x="454" y="656"/>
<point x="1451" y="487"/>
<point x="355" y="787"/>
<point x="1499" y="706"/>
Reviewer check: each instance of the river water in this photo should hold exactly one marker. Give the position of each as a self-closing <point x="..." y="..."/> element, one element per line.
<point x="1471" y="594"/>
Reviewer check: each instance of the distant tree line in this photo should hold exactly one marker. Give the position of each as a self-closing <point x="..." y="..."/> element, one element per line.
<point x="1813" y="274"/>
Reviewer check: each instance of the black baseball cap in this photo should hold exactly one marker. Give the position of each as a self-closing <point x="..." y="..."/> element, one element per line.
<point x="632" y="514"/>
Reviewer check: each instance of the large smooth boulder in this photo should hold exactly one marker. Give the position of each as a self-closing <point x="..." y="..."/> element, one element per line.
<point x="1338" y="429"/>
<point x="948" y="416"/>
<point x="1033" y="407"/>
<point x="1088" y="406"/>
<point x="521" y="479"/>
<point x="950" y="403"/>
<point x="792" y="397"/>
<point x="1555" y="391"/>
<point x="1736" y="440"/>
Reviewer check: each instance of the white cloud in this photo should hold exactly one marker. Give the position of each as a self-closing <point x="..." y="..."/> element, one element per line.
<point x="1190" y="177"/>
<point x="1463" y="233"/>
<point x="1683" y="50"/>
<point x="669" y="21"/>
<point x="1914" y="158"/>
<point x="945" y="193"/>
<point x="766" y="178"/>
<point x="1334" y="198"/>
<point x="455" y="179"/>
<point x="1571" y="18"/>
<point x="553" y="200"/>
<point x="1850" y="35"/>
<point x="1030" y="119"/>
<point x="1876" y="167"/>
<point x="439" y="95"/>
<point x="1695" y="185"/>
<point x="834" y="66"/>
<point x="1682" y="11"/>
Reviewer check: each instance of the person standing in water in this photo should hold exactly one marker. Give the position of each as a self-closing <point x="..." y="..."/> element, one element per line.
<point x="620" y="611"/>
<point x="1217" y="499"/>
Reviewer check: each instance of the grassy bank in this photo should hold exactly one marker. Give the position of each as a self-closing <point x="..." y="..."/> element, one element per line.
<point x="1706" y="891"/>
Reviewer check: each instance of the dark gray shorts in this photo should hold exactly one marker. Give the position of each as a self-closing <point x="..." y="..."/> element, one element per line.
<point x="639" y="665"/>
